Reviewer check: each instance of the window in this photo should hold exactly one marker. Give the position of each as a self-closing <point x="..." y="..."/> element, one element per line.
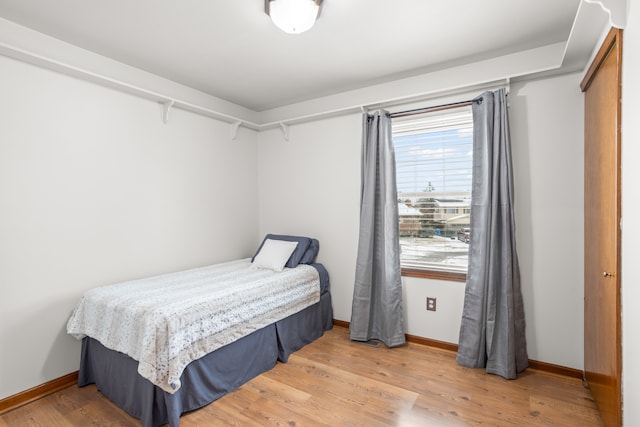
<point x="433" y="174"/>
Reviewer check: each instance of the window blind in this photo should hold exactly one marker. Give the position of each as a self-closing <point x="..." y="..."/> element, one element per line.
<point x="433" y="177"/>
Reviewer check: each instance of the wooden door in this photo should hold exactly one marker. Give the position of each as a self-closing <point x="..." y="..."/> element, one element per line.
<point x="602" y="335"/>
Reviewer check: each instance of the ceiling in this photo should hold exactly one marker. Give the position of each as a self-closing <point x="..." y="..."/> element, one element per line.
<point x="231" y="50"/>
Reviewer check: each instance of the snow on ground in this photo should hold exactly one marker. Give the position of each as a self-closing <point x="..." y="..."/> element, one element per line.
<point x="436" y="250"/>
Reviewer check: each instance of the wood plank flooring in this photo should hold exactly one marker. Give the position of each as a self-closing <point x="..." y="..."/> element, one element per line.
<point x="334" y="382"/>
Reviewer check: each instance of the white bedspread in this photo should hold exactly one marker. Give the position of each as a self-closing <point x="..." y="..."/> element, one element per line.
<point x="168" y="321"/>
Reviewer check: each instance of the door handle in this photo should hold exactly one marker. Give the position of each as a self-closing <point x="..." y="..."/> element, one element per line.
<point x="607" y="274"/>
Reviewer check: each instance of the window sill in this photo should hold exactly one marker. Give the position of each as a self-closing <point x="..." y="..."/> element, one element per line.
<point x="434" y="274"/>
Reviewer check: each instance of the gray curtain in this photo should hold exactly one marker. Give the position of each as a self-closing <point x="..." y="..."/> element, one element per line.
<point x="377" y="295"/>
<point x="492" y="332"/>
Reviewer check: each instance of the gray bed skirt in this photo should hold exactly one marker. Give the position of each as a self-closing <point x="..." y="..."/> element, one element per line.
<point x="206" y="379"/>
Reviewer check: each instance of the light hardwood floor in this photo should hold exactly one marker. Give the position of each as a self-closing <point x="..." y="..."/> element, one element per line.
<point x="334" y="382"/>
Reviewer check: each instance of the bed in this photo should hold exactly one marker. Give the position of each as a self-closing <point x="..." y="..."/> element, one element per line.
<point x="162" y="346"/>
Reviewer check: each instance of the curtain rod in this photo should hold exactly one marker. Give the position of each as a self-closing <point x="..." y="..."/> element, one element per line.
<point x="434" y="108"/>
<point x="444" y="106"/>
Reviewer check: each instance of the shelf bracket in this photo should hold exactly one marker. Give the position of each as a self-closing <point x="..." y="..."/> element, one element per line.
<point x="166" y="107"/>
<point x="234" y="129"/>
<point x="285" y="130"/>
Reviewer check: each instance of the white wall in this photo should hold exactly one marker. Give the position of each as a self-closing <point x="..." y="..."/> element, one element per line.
<point x="547" y="122"/>
<point x="95" y="189"/>
<point x="310" y="185"/>
<point x="631" y="218"/>
<point x="444" y="323"/>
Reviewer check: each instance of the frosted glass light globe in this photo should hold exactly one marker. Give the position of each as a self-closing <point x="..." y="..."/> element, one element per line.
<point x="294" y="16"/>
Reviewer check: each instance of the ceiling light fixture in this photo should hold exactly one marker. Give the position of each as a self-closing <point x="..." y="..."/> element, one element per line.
<point x="293" y="16"/>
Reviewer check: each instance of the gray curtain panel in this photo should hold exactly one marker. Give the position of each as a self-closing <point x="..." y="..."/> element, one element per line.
<point x="492" y="332"/>
<point x="377" y="295"/>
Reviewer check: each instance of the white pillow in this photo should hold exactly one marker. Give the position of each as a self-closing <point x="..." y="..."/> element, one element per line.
<point x="274" y="254"/>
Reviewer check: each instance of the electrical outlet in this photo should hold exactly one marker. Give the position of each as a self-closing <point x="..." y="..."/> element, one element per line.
<point x="431" y="304"/>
